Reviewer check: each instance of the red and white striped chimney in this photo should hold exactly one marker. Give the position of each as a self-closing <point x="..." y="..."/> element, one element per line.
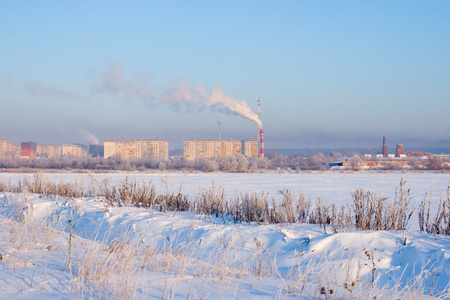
<point x="261" y="133"/>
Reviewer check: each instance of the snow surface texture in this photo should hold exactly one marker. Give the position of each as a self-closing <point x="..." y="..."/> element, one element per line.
<point x="127" y="252"/>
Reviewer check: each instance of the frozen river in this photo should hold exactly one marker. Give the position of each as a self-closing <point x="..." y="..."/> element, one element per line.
<point x="332" y="187"/>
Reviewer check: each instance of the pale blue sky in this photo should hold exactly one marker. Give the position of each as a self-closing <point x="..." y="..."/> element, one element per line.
<point x="329" y="74"/>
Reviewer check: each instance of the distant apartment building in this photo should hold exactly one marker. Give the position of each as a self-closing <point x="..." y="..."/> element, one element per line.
<point x="8" y="149"/>
<point x="137" y="148"/>
<point x="151" y="148"/>
<point x="28" y="149"/>
<point x="116" y="147"/>
<point x="77" y="150"/>
<point x="250" y="148"/>
<point x="195" y="149"/>
<point x="48" y="151"/>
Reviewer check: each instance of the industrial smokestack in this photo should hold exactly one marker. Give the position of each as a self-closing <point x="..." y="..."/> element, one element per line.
<point x="260" y="133"/>
<point x="384" y="147"/>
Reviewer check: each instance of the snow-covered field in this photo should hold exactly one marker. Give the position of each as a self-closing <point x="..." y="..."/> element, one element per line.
<point x="128" y="252"/>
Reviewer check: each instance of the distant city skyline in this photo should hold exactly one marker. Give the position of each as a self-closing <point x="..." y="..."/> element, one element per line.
<point x="329" y="74"/>
<point x="391" y="149"/>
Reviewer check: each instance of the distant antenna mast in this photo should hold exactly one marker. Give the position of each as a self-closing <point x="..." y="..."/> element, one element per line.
<point x="220" y="132"/>
<point x="259" y="109"/>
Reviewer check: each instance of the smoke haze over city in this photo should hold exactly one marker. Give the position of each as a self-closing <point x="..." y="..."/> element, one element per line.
<point x="329" y="74"/>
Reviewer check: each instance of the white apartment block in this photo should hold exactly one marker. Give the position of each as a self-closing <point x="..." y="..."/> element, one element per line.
<point x="77" y="150"/>
<point x="251" y="148"/>
<point x="151" y="148"/>
<point x="113" y="147"/>
<point x="48" y="151"/>
<point x="8" y="149"/>
<point x="195" y="149"/>
<point x="137" y="148"/>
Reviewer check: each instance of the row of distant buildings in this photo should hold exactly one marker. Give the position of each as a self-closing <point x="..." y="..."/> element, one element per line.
<point x="134" y="149"/>
<point x="401" y="153"/>
<point x="31" y="149"/>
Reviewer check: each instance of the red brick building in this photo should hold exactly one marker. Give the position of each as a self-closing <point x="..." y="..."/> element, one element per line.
<point x="28" y="149"/>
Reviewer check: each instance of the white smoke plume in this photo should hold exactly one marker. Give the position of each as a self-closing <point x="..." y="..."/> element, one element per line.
<point x="115" y="82"/>
<point x="216" y="99"/>
<point x="40" y="89"/>
<point x="192" y="95"/>
<point x="89" y="137"/>
<point x="86" y="135"/>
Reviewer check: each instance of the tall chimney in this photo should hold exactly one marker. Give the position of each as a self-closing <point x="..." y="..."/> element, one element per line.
<point x="260" y="134"/>
<point x="384" y="147"/>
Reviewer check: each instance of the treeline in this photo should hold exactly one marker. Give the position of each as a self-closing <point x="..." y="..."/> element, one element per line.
<point x="232" y="163"/>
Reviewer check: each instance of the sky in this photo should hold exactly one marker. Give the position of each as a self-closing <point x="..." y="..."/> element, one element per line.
<point x="328" y="74"/>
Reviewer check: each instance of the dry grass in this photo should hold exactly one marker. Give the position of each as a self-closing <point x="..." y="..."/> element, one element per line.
<point x="368" y="211"/>
<point x="440" y="222"/>
<point x="118" y="269"/>
<point x="372" y="213"/>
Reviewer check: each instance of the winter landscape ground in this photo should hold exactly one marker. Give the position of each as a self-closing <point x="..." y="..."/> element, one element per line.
<point x="89" y="247"/>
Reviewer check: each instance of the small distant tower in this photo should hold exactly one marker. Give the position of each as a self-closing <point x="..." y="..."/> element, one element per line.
<point x="400" y="149"/>
<point x="384" y="147"/>
<point x="220" y="131"/>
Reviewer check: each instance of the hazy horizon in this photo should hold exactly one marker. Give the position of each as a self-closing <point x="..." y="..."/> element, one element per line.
<point x="328" y="74"/>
